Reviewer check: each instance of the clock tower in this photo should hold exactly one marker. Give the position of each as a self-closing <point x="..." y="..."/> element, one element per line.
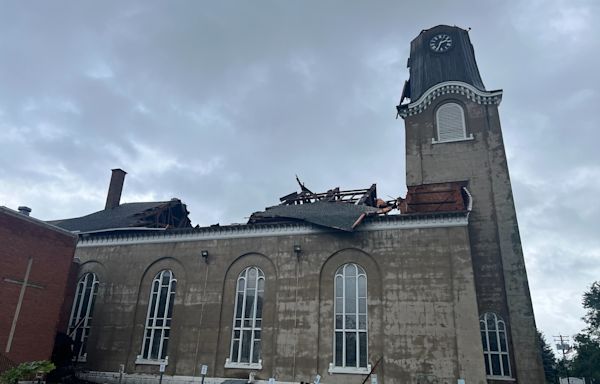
<point x="453" y="133"/>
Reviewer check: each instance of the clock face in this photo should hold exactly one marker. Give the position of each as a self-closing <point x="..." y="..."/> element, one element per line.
<point x="440" y="43"/>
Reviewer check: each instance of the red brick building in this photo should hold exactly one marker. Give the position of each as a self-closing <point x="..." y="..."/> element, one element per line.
<point x="35" y="261"/>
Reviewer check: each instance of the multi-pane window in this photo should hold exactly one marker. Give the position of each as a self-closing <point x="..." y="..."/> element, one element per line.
<point x="350" y="340"/>
<point x="247" y="319"/>
<point x="450" y="121"/>
<point x="81" y="314"/>
<point x="158" y="320"/>
<point x="495" y="346"/>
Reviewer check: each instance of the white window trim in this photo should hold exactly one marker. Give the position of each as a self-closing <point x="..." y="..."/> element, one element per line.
<point x="83" y="319"/>
<point x="468" y="138"/>
<point x="343" y="369"/>
<point x="254" y="366"/>
<point x="229" y="362"/>
<point x="500" y="353"/>
<point x="82" y="359"/>
<point x="153" y="328"/>
<point x="349" y="370"/>
<point x="141" y="361"/>
<point x="464" y="126"/>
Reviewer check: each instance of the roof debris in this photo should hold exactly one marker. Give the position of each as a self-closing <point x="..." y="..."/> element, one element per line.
<point x="346" y="210"/>
<point x="156" y="214"/>
<point x="343" y="210"/>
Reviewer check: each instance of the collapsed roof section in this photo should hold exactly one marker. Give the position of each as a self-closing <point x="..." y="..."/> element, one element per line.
<point x="346" y="210"/>
<point x="153" y="215"/>
<point x="129" y="216"/>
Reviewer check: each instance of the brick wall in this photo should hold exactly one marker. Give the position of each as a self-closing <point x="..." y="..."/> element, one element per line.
<point x="51" y="250"/>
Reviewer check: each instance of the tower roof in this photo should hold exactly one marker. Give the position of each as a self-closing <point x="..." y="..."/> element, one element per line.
<point x="454" y="62"/>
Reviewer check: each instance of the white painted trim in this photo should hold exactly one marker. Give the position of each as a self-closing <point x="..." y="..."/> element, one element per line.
<point x="500" y="378"/>
<point x="450" y="87"/>
<point x="140" y="361"/>
<point x="255" y="366"/>
<point x="455" y="219"/>
<point x="468" y="138"/>
<point x="349" y="370"/>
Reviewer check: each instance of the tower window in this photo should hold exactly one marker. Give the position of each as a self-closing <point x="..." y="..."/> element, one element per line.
<point x="450" y="122"/>
<point x="81" y="314"/>
<point x="495" y="345"/>
<point x="247" y="320"/>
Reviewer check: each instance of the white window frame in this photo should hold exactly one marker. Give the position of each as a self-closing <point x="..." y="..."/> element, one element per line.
<point x="81" y="317"/>
<point x="242" y="324"/>
<point x="342" y="276"/>
<point x="437" y="125"/>
<point x="156" y="321"/>
<point x="497" y="333"/>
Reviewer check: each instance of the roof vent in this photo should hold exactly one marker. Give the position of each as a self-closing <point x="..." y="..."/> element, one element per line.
<point x="24" y="210"/>
<point x="115" y="188"/>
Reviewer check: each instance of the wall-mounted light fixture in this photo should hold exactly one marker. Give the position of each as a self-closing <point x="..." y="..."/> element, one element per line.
<point x="297" y="250"/>
<point x="204" y="254"/>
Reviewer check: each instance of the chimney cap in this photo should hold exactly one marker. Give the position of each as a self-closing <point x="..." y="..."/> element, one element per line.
<point x="24" y="210"/>
<point x="118" y="169"/>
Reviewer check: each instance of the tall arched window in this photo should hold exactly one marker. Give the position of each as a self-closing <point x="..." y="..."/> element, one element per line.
<point x="158" y="319"/>
<point x="450" y="121"/>
<point x="247" y="320"/>
<point x="350" y="340"/>
<point x="495" y="346"/>
<point x="81" y="314"/>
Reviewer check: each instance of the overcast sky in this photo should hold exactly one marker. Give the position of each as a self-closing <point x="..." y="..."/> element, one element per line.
<point x="222" y="103"/>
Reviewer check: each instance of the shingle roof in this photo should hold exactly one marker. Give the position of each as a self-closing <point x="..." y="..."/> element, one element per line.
<point x="124" y="216"/>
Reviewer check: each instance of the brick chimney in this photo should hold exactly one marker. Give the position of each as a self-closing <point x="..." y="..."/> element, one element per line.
<point x="115" y="188"/>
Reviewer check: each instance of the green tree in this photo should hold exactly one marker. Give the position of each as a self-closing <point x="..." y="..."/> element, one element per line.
<point x="548" y="359"/>
<point x="587" y="343"/>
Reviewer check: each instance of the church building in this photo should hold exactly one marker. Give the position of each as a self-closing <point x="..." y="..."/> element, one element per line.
<point x="338" y="286"/>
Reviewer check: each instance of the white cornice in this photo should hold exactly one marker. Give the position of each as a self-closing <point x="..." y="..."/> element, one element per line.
<point x="450" y="87"/>
<point x="455" y="219"/>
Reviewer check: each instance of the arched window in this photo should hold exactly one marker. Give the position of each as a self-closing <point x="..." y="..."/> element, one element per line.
<point x="247" y="320"/>
<point x="450" y="121"/>
<point x="350" y="339"/>
<point x="495" y="346"/>
<point x="158" y="319"/>
<point x="81" y="314"/>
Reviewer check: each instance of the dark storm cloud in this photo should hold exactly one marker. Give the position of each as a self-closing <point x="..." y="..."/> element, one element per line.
<point x="222" y="103"/>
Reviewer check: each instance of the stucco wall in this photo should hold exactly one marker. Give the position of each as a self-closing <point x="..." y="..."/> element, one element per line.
<point x="500" y="274"/>
<point x="422" y="307"/>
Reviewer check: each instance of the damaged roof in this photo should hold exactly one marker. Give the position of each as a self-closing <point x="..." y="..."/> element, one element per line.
<point x="346" y="210"/>
<point x="156" y="214"/>
<point x="343" y="210"/>
<point x="324" y="213"/>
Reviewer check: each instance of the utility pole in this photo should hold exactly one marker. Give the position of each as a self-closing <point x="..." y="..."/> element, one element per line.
<point x="564" y="348"/>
